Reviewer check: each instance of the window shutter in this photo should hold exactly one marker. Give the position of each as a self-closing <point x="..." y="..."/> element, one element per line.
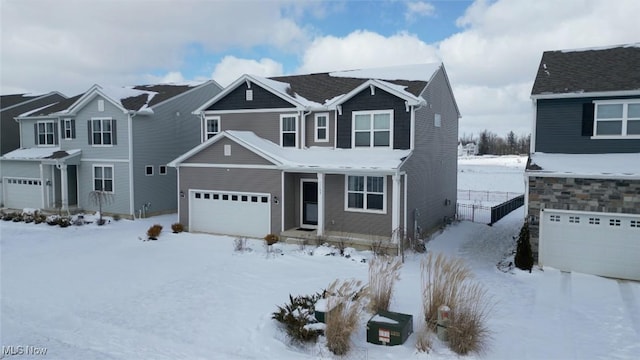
<point x="62" y="132"/>
<point x="35" y="133"/>
<point x="114" y="133"/>
<point x="89" y="132"/>
<point x="588" y="111"/>
<point x="73" y="128"/>
<point x="55" y="134"/>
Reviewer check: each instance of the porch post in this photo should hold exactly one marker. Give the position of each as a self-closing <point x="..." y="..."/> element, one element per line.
<point x="395" y="207"/>
<point x="320" y="204"/>
<point x="64" y="187"/>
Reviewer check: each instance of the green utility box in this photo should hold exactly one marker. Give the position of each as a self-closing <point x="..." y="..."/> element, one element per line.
<point x="389" y="328"/>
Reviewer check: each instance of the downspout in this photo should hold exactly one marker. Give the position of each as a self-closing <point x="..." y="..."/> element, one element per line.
<point x="132" y="211"/>
<point x="19" y="131"/>
<point x="303" y="128"/>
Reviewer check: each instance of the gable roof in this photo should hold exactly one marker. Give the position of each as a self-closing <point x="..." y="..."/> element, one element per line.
<point x="315" y="91"/>
<point x="586" y="71"/>
<point x="13" y="100"/>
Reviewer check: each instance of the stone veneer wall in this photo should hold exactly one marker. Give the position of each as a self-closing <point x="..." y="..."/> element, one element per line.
<point x="600" y="195"/>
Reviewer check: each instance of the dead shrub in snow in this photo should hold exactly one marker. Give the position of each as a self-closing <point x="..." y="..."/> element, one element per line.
<point x="346" y="300"/>
<point x="449" y="282"/>
<point x="154" y="231"/>
<point x="424" y="340"/>
<point x="177" y="228"/>
<point x="240" y="244"/>
<point x="383" y="273"/>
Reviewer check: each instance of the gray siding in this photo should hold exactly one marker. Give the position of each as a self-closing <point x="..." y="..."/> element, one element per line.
<point x="264" y="124"/>
<point x="121" y="195"/>
<point x="290" y="202"/>
<point x="432" y="168"/>
<point x="310" y="128"/>
<point x="27" y="132"/>
<point x="159" y="138"/>
<point x="382" y="100"/>
<point x="262" y="99"/>
<point x="559" y="130"/>
<point x="29" y="169"/>
<point x="214" y="154"/>
<point x="249" y="180"/>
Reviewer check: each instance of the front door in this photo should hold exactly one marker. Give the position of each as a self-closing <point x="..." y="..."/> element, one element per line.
<point x="309" y="196"/>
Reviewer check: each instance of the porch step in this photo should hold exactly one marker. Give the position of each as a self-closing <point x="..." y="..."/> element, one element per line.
<point x="380" y="244"/>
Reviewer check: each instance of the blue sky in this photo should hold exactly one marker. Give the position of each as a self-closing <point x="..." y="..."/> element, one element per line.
<point x="490" y="48"/>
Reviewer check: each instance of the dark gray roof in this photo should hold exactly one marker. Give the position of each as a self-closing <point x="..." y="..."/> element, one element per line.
<point x="14" y="99"/>
<point x="62" y="105"/>
<point x="615" y="68"/>
<point x="321" y="87"/>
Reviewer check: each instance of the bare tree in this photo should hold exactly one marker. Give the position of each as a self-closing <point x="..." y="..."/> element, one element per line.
<point x="100" y="198"/>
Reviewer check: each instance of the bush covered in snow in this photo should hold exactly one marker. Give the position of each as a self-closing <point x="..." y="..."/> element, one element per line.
<point x="298" y="319"/>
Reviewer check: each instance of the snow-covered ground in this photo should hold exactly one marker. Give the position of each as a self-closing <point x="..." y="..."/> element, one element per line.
<point x="94" y="292"/>
<point x="494" y="173"/>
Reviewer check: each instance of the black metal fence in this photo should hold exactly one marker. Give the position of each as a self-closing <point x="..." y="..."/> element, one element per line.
<point x="488" y="196"/>
<point x="488" y="214"/>
<point x="500" y="211"/>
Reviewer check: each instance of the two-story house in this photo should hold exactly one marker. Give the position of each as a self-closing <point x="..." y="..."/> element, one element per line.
<point x="363" y="154"/>
<point x="583" y="174"/>
<point x="114" y="140"/>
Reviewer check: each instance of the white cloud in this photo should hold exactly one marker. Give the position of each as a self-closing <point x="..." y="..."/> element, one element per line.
<point x="363" y="49"/>
<point x="230" y="68"/>
<point x="418" y="9"/>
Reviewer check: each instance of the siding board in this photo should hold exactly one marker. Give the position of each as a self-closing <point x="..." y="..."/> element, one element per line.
<point x="262" y="99"/>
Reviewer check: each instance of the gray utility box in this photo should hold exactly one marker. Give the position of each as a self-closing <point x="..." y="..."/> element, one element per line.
<point x="389" y="328"/>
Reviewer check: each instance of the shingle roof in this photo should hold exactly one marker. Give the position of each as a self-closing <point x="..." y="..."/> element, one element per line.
<point x="14" y="99"/>
<point x="615" y="68"/>
<point x="60" y="106"/>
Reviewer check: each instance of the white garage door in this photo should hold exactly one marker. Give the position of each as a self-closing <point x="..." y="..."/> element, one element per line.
<point x="20" y="193"/>
<point x="605" y="244"/>
<point x="231" y="213"/>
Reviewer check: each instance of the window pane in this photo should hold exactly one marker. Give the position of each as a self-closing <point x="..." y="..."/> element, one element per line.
<point x="634" y="111"/>
<point x="363" y="122"/>
<point x="381" y="121"/>
<point x="363" y="139"/>
<point x="96" y="125"/>
<point x="356" y="183"/>
<point x="49" y="127"/>
<point x="289" y="140"/>
<point x="375" y="184"/>
<point x="108" y="173"/>
<point x="381" y="138"/>
<point x="356" y="201"/>
<point x="322" y="134"/>
<point x="322" y="121"/>
<point x="609" y="128"/>
<point x="41" y="127"/>
<point x="41" y="139"/>
<point x="97" y="185"/>
<point x="612" y="111"/>
<point x="288" y="124"/>
<point x="108" y="185"/>
<point x="49" y="139"/>
<point x="97" y="172"/>
<point x="212" y="126"/>
<point x="374" y="201"/>
<point x="97" y="139"/>
<point x="633" y="127"/>
<point x="107" y="125"/>
<point x="106" y="138"/>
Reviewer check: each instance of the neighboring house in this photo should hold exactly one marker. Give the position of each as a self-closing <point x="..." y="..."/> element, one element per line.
<point x="583" y="174"/>
<point x="361" y="154"/>
<point x="469" y="149"/>
<point x="115" y="140"/>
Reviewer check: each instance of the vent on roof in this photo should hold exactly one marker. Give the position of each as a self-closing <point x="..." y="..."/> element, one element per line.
<point x="249" y="95"/>
<point x="100" y="105"/>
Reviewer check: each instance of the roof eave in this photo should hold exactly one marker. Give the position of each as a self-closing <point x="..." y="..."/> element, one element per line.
<point x="567" y="95"/>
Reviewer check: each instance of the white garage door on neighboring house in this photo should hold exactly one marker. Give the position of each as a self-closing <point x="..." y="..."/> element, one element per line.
<point x="231" y="213"/>
<point x="605" y="244"/>
<point x="20" y="193"/>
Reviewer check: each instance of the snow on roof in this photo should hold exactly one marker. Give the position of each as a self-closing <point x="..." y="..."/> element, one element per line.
<point x="597" y="165"/>
<point x="121" y="93"/>
<point x="323" y="157"/>
<point x="597" y="48"/>
<point x="285" y="90"/>
<point x="37" y="110"/>
<point x="36" y="153"/>
<point x="417" y="72"/>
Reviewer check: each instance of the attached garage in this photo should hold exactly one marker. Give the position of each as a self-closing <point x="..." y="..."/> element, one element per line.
<point x="20" y="193"/>
<point x="231" y="213"/>
<point x="606" y="244"/>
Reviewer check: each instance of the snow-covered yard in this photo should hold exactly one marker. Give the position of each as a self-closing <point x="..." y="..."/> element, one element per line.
<point x="94" y="292"/>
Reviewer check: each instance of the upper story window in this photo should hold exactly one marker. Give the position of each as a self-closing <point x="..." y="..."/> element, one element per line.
<point x="322" y="127"/>
<point x="365" y="193"/>
<point x="103" y="178"/>
<point x="46" y="133"/>
<point x="102" y="132"/>
<point x="288" y="131"/>
<point x="372" y="128"/>
<point x="211" y="127"/>
<point x="68" y="129"/>
<point x="617" y="119"/>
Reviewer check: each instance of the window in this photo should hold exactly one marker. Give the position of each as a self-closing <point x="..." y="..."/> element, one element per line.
<point x="45" y="133"/>
<point x="288" y="131"/>
<point x="322" y="127"/>
<point x="594" y="221"/>
<point x="102" y="132"/>
<point x="68" y="129"/>
<point x="554" y="218"/>
<point x="163" y="170"/>
<point x="366" y="193"/>
<point x="148" y="170"/>
<point x="617" y="118"/>
<point x="103" y="178"/>
<point x="614" y="222"/>
<point x="211" y="127"/>
<point x="372" y="129"/>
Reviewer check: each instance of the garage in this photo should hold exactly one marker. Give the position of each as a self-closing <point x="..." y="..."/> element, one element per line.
<point x="21" y="193"/>
<point x="230" y="213"/>
<point x="605" y="244"/>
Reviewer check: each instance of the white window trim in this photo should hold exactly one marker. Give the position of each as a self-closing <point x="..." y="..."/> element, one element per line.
<point x="325" y="127"/>
<point x="205" y="133"/>
<point x="93" y="144"/>
<point x="53" y="133"/>
<point x="625" y="118"/>
<point x="160" y="170"/>
<point x="364" y="209"/>
<point x="65" y="122"/>
<point x="148" y="167"/>
<point x="371" y="113"/>
<point x="113" y="177"/>
<point x="294" y="115"/>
